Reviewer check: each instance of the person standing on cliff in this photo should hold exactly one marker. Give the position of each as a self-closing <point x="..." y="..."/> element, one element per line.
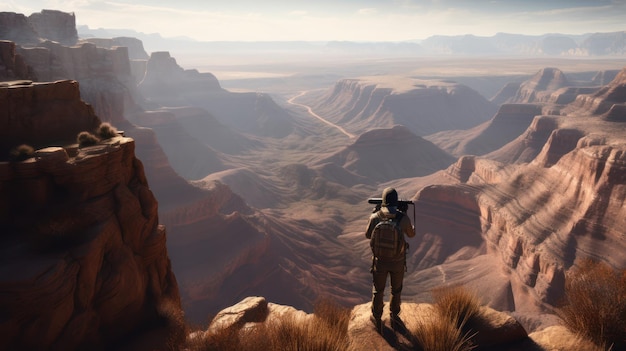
<point x="392" y="265"/>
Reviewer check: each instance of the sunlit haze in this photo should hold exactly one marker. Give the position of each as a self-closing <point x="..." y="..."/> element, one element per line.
<point x="322" y="20"/>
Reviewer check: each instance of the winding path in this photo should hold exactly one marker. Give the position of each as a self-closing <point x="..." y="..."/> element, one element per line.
<point x="308" y="108"/>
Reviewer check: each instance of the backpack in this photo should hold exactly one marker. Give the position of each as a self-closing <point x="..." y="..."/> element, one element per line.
<point x="387" y="241"/>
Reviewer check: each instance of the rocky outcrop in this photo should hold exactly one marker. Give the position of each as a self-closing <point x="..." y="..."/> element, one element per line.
<point x="425" y="107"/>
<point x="493" y="330"/>
<point x="55" y="25"/>
<point x="85" y="262"/>
<point x="23" y="122"/>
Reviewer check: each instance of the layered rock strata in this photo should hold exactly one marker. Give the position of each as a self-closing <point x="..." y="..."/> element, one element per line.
<point x="84" y="259"/>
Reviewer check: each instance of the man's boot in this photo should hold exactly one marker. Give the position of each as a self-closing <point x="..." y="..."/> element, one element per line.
<point x="378" y="324"/>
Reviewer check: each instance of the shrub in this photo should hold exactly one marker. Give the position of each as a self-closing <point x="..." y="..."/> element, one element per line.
<point x="86" y="139"/>
<point x="106" y="131"/>
<point x="21" y="153"/>
<point x="594" y="305"/>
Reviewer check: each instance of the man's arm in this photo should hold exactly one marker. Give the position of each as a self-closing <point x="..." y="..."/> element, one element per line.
<point x="370" y="226"/>
<point x="407" y="227"/>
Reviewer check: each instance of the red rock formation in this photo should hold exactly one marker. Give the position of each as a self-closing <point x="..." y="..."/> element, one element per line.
<point x="85" y="262"/>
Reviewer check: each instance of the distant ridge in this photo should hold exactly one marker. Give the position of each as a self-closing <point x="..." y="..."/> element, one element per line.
<point x="592" y="44"/>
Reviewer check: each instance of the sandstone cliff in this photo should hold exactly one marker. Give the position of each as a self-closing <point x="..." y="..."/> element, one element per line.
<point x="555" y="196"/>
<point x="22" y="122"/>
<point x="85" y="262"/>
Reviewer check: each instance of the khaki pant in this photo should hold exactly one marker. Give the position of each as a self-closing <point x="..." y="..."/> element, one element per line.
<point x="380" y="272"/>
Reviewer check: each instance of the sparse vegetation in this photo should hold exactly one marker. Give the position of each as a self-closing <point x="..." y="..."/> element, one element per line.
<point x="455" y="308"/>
<point x="595" y="304"/>
<point x="85" y="139"/>
<point x="437" y="333"/>
<point x="326" y="331"/>
<point x="106" y="131"/>
<point x="21" y="153"/>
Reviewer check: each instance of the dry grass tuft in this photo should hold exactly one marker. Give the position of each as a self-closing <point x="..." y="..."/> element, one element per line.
<point x="455" y="308"/>
<point x="595" y="304"/>
<point x="438" y="333"/>
<point x="457" y="304"/>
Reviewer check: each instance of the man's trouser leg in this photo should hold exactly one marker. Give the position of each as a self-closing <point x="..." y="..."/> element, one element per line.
<point x="397" y="275"/>
<point x="378" y="290"/>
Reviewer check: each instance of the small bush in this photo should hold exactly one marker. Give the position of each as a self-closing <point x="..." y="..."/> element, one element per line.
<point x="21" y="153"/>
<point x="106" y="131"/>
<point x="85" y="139"/>
<point x="594" y="305"/>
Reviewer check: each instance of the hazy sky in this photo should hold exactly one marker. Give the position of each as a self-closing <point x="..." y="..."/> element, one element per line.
<point x="359" y="20"/>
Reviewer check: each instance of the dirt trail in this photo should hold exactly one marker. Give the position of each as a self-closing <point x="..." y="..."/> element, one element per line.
<point x="308" y="108"/>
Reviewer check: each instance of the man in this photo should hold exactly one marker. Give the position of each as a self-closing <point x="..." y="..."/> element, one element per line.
<point x="393" y="267"/>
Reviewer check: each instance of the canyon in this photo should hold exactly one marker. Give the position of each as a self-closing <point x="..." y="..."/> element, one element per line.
<point x="259" y="197"/>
